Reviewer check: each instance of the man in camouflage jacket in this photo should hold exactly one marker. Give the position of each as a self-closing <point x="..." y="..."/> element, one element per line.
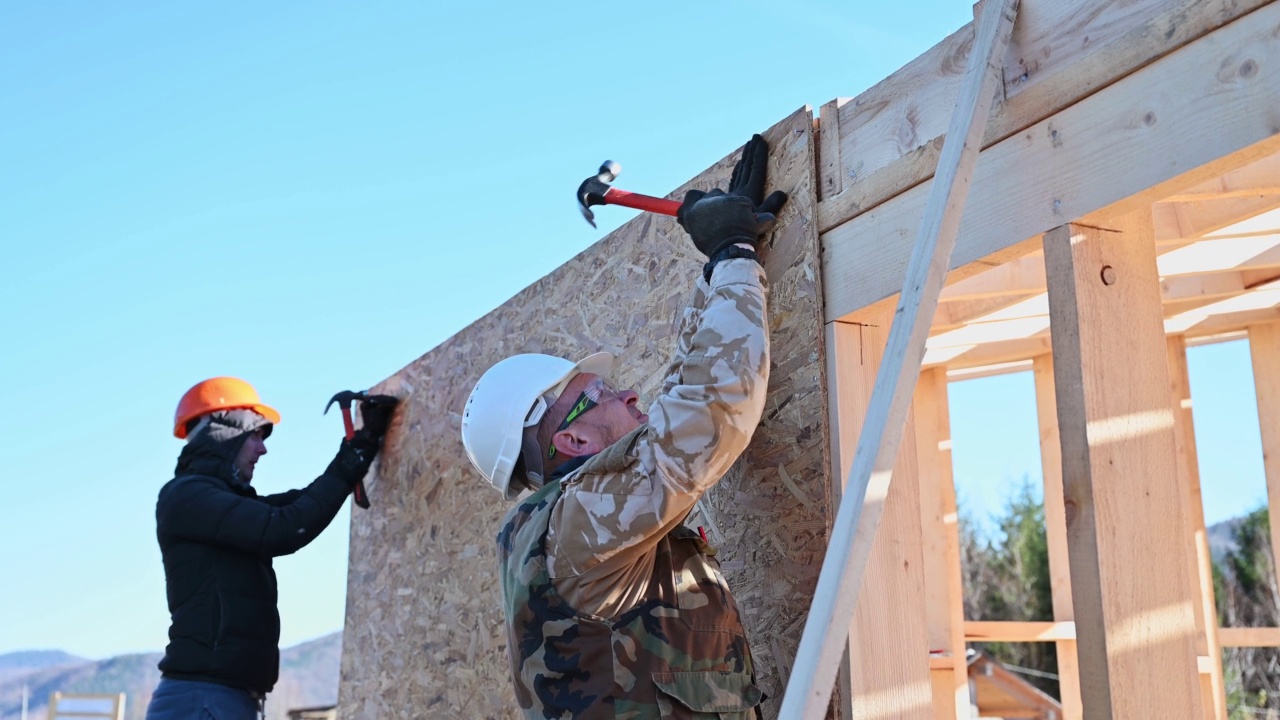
<point x="614" y="609"/>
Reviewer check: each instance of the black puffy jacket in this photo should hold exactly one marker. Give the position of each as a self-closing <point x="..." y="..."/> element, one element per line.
<point x="217" y="538"/>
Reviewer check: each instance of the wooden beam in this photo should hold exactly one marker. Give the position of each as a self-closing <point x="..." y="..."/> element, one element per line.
<point x="1061" y="52"/>
<point x="829" y="172"/>
<point x="1131" y="591"/>
<point x="1212" y="689"/>
<point x="1249" y="637"/>
<point x="1055" y="529"/>
<point x="940" y="530"/>
<point x="1089" y="161"/>
<point x="885" y="667"/>
<point x="1264" y="351"/>
<point x="1014" y="631"/>
<point x="854" y="531"/>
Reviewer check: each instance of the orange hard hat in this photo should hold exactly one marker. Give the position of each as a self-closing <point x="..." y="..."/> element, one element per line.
<point x="220" y="393"/>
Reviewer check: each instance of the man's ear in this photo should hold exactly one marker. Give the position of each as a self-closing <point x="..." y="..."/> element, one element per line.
<point x="573" y="442"/>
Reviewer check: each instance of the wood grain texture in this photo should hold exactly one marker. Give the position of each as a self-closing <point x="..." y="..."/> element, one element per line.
<point x="1131" y="587"/>
<point x="887" y="672"/>
<point x="858" y="519"/>
<point x="1212" y="689"/>
<point x="1060" y="53"/>
<point x="1264" y="352"/>
<point x="1207" y="109"/>
<point x="423" y="635"/>
<point x="1055" y="530"/>
<point x="940" y="543"/>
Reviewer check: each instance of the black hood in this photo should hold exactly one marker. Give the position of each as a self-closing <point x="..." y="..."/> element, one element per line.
<point x="213" y="445"/>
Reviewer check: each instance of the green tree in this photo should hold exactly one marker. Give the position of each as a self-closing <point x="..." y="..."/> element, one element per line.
<point x="1244" y="583"/>
<point x="1006" y="577"/>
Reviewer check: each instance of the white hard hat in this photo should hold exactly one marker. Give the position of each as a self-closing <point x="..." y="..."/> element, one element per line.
<point x="506" y="400"/>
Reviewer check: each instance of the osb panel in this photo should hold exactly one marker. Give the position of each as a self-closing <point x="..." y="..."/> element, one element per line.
<point x="424" y="633"/>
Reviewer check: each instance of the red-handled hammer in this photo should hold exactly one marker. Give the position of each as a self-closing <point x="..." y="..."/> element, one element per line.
<point x="596" y="190"/>
<point x="344" y="400"/>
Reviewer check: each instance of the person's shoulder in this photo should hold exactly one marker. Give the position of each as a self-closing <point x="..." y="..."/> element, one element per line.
<point x="184" y="484"/>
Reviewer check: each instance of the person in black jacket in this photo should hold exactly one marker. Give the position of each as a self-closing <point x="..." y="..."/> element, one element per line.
<point x="217" y="538"/>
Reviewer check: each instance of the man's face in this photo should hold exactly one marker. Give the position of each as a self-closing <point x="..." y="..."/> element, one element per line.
<point x="255" y="446"/>
<point x="615" y="414"/>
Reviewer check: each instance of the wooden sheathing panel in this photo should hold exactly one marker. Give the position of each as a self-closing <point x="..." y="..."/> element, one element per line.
<point x="1209" y="108"/>
<point x="887" y="666"/>
<point x="1061" y="52"/>
<point x="424" y="632"/>
<point x="1130" y="585"/>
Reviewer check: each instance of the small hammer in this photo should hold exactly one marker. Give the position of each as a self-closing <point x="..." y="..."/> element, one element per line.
<point x="344" y="400"/>
<point x="596" y="190"/>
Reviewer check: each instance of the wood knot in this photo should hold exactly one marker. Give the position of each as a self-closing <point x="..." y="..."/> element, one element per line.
<point x="1149" y="118"/>
<point x="1248" y="69"/>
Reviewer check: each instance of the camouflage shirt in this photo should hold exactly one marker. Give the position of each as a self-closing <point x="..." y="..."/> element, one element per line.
<point x="613" y="607"/>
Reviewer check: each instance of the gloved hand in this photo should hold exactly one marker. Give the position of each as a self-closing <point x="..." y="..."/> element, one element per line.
<point x="716" y="220"/>
<point x="357" y="454"/>
<point x="376" y="412"/>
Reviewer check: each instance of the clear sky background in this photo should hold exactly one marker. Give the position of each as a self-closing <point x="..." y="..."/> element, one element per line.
<point x="311" y="195"/>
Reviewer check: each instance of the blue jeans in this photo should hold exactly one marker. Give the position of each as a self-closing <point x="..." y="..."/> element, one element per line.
<point x="191" y="700"/>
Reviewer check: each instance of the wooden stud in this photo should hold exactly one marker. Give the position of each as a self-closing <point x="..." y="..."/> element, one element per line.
<point x="1017" y="631"/>
<point x="886" y="670"/>
<point x="830" y="182"/>
<point x="940" y="530"/>
<point x="1249" y="637"/>
<point x="1131" y="589"/>
<point x="1055" y="526"/>
<point x="1264" y="350"/>
<point x="1212" y="690"/>
<point x="854" y="531"/>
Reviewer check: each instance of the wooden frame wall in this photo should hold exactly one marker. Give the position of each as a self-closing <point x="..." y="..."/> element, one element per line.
<point x="1092" y="91"/>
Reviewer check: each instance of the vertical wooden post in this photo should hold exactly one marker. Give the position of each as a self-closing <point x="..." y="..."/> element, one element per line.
<point x="1264" y="349"/>
<point x="1212" y="691"/>
<point x="1055" y="527"/>
<point x="1130" y="586"/>
<point x="940" y="530"/>
<point x="887" y="663"/>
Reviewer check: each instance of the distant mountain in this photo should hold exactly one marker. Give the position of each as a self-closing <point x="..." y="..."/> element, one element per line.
<point x="1222" y="537"/>
<point x="308" y="677"/>
<point x="16" y="664"/>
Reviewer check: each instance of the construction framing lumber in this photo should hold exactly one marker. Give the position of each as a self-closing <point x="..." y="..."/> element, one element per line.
<point x="885" y="672"/>
<point x="1060" y="53"/>
<point x="859" y="515"/>
<point x="1249" y="637"/>
<point x="1088" y="161"/>
<point x="1055" y="528"/>
<point x="940" y="530"/>
<point x="1212" y="687"/>
<point x="1264" y="352"/>
<point x="1015" y="631"/>
<point x="1131" y="589"/>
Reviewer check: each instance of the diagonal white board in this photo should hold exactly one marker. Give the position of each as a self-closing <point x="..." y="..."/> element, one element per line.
<point x="826" y="630"/>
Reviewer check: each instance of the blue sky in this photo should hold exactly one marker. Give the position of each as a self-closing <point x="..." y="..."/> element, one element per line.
<point x="311" y="195"/>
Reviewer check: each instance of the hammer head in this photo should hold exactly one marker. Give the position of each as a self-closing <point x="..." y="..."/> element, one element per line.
<point x="591" y="191"/>
<point x="344" y="400"/>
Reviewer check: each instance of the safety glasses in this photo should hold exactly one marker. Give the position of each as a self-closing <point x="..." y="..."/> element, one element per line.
<point x="597" y="392"/>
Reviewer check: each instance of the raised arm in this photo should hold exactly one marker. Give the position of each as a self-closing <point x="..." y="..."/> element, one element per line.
<point x="204" y="509"/>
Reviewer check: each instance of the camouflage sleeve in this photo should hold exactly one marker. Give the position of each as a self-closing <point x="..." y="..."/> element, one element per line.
<point x="607" y="523"/>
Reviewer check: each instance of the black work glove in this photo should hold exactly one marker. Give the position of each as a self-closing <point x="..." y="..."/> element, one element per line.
<point x="376" y="412"/>
<point x="353" y="459"/>
<point x="717" y="220"/>
<point x="357" y="454"/>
